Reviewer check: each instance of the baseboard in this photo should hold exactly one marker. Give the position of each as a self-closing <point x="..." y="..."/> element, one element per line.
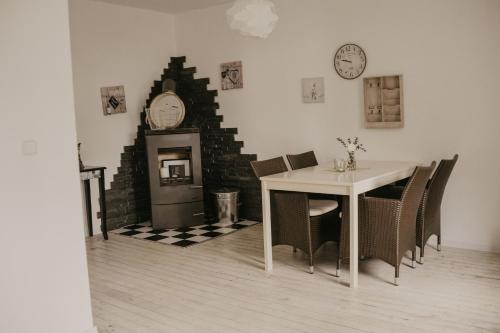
<point x="470" y="246"/>
<point x="91" y="330"/>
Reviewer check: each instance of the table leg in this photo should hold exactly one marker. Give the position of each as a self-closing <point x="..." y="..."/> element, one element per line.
<point x="102" y="197"/>
<point x="353" y="239"/>
<point x="88" y="206"/>
<point x="266" y="216"/>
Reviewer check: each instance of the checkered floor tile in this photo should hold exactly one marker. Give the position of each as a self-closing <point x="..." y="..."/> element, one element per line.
<point x="183" y="237"/>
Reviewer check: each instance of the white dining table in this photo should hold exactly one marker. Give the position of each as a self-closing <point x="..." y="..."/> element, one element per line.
<point x="324" y="179"/>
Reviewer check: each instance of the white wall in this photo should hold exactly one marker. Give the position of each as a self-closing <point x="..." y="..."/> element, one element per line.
<point x="447" y="51"/>
<point x="44" y="283"/>
<point x="114" y="45"/>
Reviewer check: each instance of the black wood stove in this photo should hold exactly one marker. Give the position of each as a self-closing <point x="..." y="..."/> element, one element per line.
<point x="175" y="177"/>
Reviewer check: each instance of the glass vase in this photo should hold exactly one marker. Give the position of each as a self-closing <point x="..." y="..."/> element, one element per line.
<point x="351" y="162"/>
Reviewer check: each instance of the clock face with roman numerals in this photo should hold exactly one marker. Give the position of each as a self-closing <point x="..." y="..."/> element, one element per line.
<point x="350" y="61"/>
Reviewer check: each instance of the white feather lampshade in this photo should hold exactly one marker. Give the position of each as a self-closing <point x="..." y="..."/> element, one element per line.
<point x="255" y="18"/>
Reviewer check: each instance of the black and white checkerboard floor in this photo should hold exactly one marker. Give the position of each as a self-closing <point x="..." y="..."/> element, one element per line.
<point x="183" y="237"/>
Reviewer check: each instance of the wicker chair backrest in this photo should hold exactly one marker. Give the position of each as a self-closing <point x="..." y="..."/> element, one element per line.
<point x="436" y="186"/>
<point x="268" y="167"/>
<point x="304" y="160"/>
<point x="412" y="195"/>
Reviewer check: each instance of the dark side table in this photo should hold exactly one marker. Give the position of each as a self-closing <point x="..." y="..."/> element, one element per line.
<point x="86" y="174"/>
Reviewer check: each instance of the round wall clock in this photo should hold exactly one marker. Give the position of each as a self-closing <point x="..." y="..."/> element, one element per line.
<point x="166" y="111"/>
<point x="350" y="61"/>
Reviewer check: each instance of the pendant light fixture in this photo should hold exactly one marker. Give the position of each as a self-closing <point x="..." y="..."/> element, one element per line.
<point x="255" y="18"/>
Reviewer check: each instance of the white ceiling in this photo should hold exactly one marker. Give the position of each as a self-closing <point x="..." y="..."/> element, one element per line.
<point x="168" y="6"/>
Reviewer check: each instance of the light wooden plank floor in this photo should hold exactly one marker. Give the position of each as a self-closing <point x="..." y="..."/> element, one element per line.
<point x="220" y="286"/>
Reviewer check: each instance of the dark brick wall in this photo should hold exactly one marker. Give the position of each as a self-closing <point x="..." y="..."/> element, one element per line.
<point x="222" y="161"/>
<point x="128" y="201"/>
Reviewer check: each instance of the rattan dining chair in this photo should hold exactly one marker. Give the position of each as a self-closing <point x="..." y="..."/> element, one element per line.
<point x="306" y="160"/>
<point x="429" y="213"/>
<point x="295" y="221"/>
<point x="387" y="227"/>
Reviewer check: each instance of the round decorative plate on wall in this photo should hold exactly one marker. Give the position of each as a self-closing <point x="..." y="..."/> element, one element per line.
<point x="349" y="61"/>
<point x="166" y="111"/>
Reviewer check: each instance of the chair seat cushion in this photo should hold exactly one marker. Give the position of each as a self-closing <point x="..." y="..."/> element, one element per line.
<point x="320" y="207"/>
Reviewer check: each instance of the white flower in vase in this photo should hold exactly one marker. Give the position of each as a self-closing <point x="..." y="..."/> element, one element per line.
<point x="351" y="145"/>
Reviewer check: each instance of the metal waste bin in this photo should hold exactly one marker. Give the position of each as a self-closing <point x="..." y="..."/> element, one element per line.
<point x="225" y="201"/>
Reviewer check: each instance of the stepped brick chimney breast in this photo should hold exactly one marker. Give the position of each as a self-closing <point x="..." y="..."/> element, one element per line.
<point x="223" y="164"/>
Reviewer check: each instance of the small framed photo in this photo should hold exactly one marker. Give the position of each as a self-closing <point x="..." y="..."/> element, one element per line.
<point x="231" y="74"/>
<point x="113" y="100"/>
<point x="176" y="168"/>
<point x="313" y="90"/>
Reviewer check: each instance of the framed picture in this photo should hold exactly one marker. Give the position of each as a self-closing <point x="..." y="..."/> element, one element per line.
<point x="313" y="90"/>
<point x="176" y="168"/>
<point x="113" y="100"/>
<point x="231" y="74"/>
